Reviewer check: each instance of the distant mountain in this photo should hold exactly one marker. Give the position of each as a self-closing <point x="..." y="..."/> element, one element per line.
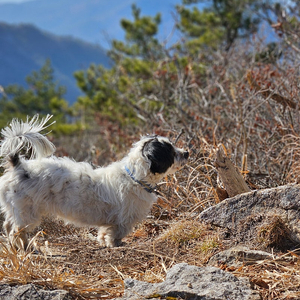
<point x="96" y="21"/>
<point x="24" y="48"/>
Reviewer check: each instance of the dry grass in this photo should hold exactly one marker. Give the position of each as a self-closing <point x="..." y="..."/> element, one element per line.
<point x="53" y="270"/>
<point x="278" y="278"/>
<point x="71" y="259"/>
<point x="274" y="233"/>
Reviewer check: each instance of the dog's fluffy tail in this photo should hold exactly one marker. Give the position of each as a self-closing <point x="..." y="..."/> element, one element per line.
<point x="25" y="137"/>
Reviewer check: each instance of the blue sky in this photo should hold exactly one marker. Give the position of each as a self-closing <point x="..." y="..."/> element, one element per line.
<point x="96" y="21"/>
<point x="13" y="1"/>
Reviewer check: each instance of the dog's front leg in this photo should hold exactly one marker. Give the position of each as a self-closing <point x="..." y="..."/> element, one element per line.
<point x="106" y="236"/>
<point x="111" y="235"/>
<point x="121" y="231"/>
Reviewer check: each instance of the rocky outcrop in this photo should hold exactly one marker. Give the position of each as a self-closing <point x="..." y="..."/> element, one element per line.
<point x="184" y="281"/>
<point x="31" y="292"/>
<point x="269" y="217"/>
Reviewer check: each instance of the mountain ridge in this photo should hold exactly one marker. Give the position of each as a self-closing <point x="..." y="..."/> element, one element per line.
<point x="95" y="21"/>
<point x="25" y="48"/>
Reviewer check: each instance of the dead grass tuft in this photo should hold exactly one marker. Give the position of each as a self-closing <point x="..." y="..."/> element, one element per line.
<point x="183" y="232"/>
<point x="193" y="236"/>
<point x="274" y="233"/>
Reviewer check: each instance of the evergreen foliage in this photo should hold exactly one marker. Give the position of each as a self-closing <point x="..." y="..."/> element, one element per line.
<point x="42" y="96"/>
<point x="219" y="24"/>
<point x="113" y="92"/>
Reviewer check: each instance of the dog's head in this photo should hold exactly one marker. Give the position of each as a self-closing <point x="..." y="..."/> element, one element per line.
<point x="164" y="157"/>
<point x="156" y="155"/>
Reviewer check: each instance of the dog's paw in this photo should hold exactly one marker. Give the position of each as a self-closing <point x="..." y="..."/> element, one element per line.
<point x="111" y="243"/>
<point x="118" y="242"/>
<point x="101" y="241"/>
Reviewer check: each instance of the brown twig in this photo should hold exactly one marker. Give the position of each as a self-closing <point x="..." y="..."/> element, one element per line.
<point x="268" y="94"/>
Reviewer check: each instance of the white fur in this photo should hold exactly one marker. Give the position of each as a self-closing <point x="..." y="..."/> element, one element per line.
<point x="107" y="198"/>
<point x="20" y="135"/>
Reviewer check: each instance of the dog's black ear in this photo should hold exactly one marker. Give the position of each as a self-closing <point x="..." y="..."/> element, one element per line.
<point x="160" y="154"/>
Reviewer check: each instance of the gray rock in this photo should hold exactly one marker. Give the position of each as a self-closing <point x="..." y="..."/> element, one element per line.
<point x="31" y="292"/>
<point x="245" y="213"/>
<point x="238" y="256"/>
<point x="184" y="281"/>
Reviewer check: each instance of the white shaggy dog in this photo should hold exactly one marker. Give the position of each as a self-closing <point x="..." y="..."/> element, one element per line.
<point x="113" y="198"/>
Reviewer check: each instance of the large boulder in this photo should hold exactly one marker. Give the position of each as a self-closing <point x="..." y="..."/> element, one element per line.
<point x="184" y="281"/>
<point x="269" y="217"/>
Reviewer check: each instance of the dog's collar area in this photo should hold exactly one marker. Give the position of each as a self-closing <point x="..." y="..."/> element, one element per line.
<point x="146" y="186"/>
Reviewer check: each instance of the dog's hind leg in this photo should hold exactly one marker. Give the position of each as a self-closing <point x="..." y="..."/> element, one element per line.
<point x="22" y="239"/>
<point x="23" y="223"/>
<point x="8" y="229"/>
<point x="16" y="236"/>
<point x="7" y="226"/>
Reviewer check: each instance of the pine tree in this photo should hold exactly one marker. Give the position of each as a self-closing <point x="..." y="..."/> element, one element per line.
<point x="43" y="96"/>
<point x="113" y="92"/>
<point x="219" y="24"/>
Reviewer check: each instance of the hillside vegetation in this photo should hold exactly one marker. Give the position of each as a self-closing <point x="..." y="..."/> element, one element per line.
<point x="223" y="85"/>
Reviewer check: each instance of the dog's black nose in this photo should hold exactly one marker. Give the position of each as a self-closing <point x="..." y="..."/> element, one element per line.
<point x="186" y="154"/>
